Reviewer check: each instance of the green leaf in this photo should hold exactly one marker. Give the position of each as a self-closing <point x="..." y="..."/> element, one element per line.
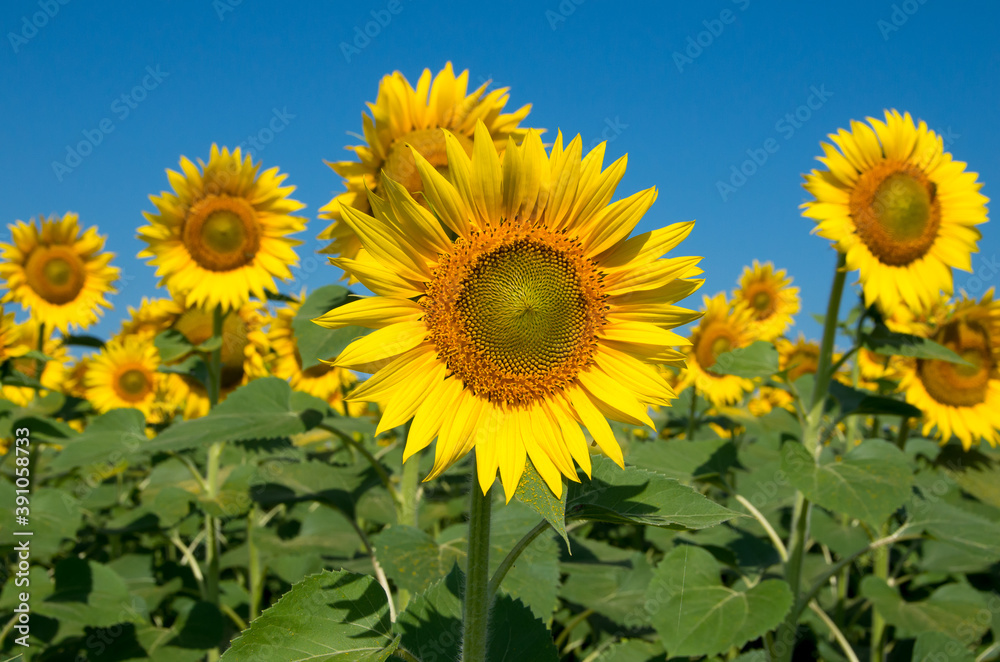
<point x="614" y="590"/>
<point x="939" y="647"/>
<point x="110" y="438"/>
<point x="852" y="401"/>
<point x="949" y="609"/>
<point x="173" y="345"/>
<point x="758" y="359"/>
<point x="958" y="528"/>
<point x="695" y="614"/>
<point x="410" y="557"/>
<point x="35" y="355"/>
<point x="329" y="617"/>
<point x="80" y="340"/>
<point x="634" y="650"/>
<point x="534" y="493"/>
<point x="636" y="496"/>
<point x="890" y="343"/>
<point x="314" y="341"/>
<point x="871" y="482"/>
<point x="260" y="410"/>
<point x="432" y="627"/>
<point x="88" y="593"/>
<point x="685" y="460"/>
<point x="534" y="579"/>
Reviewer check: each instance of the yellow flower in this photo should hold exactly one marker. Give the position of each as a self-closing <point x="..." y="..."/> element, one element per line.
<point x="56" y="272"/>
<point x="403" y="119"/>
<point x="770" y="297"/>
<point x="54" y="372"/>
<point x="725" y="327"/>
<point x="244" y="346"/>
<point x="151" y="317"/>
<point x="798" y="358"/>
<point x="900" y="209"/>
<point x="769" y="398"/>
<point x="958" y="400"/>
<point x="222" y="234"/>
<point x="324" y="381"/>
<point x="517" y="310"/>
<point x="124" y="375"/>
<point x="11" y="343"/>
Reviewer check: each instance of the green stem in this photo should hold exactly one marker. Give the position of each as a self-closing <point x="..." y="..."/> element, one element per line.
<point x="511" y="558"/>
<point x="693" y="413"/>
<point x="810" y="439"/>
<point x="880" y="568"/>
<point x="477" y="596"/>
<point x="254" y="568"/>
<point x="212" y="547"/>
<point x="409" y="491"/>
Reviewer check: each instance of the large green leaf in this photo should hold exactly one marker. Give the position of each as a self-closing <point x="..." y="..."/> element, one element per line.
<point x="890" y="343"/>
<point x="939" y="647"/>
<point x="410" y="557"/>
<point x="329" y="617"/>
<point x="696" y="614"/>
<point x="614" y="590"/>
<point x="685" y="460"/>
<point x="432" y="627"/>
<point x="870" y="483"/>
<point x="635" y="650"/>
<point x="88" y="593"/>
<point x="260" y="410"/>
<point x="637" y="496"/>
<point x="315" y="342"/>
<point x="949" y="609"/>
<point x="758" y="359"/>
<point x="958" y="528"/>
<point x="853" y="401"/>
<point x="534" y="493"/>
<point x="111" y="438"/>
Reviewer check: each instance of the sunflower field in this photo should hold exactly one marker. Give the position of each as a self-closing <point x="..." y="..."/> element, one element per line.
<point x="514" y="430"/>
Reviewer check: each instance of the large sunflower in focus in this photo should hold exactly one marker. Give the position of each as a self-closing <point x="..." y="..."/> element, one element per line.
<point x="54" y="373"/>
<point x="222" y="235"/>
<point x="57" y="272"/>
<point x="124" y="374"/>
<point x="769" y="295"/>
<point x="900" y="209"/>
<point x="324" y="381"/>
<point x="517" y="311"/>
<point x="959" y="400"/>
<point x="725" y="327"/>
<point x="402" y="119"/>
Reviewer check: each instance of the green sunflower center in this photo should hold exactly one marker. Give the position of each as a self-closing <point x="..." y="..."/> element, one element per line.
<point x="523" y="308"/>
<point x="515" y="313"/>
<point x="955" y="384"/>
<point x="221" y="233"/>
<point x="896" y="212"/>
<point x="761" y="301"/>
<point x="55" y="273"/>
<point x="133" y="385"/>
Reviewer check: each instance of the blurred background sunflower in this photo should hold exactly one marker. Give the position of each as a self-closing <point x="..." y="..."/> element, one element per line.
<point x="725" y="326"/>
<point x="769" y="295"/>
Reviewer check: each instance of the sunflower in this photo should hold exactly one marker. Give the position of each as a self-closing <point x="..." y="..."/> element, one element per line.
<point x="11" y="343"/>
<point x="244" y="347"/>
<point x="517" y="311"/>
<point x="874" y="368"/>
<point x="403" y="119"/>
<point x="324" y="381"/>
<point x="57" y="272"/>
<point x="151" y="317"/>
<point x="222" y="234"/>
<point x="54" y="372"/>
<point x="959" y="400"/>
<point x="900" y="209"/>
<point x="797" y="358"/>
<point x="124" y="374"/>
<point x="769" y="398"/>
<point x="725" y="327"/>
<point x="770" y="297"/>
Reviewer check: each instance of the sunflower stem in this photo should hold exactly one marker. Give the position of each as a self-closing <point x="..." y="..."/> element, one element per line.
<point x="256" y="583"/>
<point x="693" y="413"/>
<point x="785" y="639"/>
<point x="212" y="548"/>
<point x="880" y="568"/>
<point x="409" y="488"/>
<point x="477" y="575"/>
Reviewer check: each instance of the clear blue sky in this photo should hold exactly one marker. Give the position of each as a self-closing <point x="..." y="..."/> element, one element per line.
<point x="588" y="68"/>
